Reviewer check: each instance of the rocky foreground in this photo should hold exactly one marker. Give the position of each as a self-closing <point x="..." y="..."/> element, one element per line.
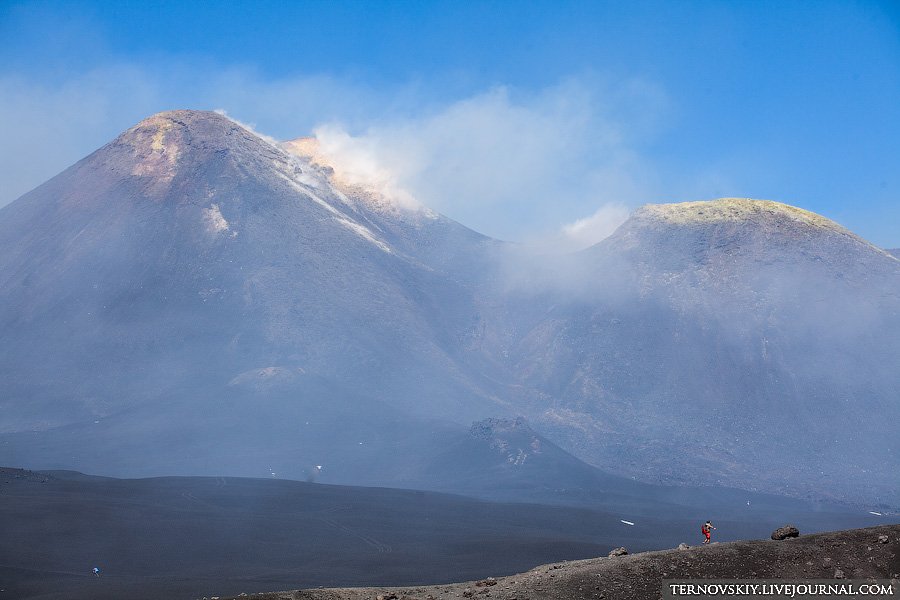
<point x="859" y="553"/>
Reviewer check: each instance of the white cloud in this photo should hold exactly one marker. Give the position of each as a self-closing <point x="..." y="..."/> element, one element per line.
<point x="600" y="225"/>
<point x="359" y="162"/>
<point x="512" y="165"/>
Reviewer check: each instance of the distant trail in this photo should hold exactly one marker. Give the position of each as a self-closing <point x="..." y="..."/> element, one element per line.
<point x="190" y="496"/>
<point x="381" y="547"/>
<point x="48" y="571"/>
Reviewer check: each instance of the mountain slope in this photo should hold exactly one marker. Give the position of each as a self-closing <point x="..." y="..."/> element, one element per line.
<point x="189" y="236"/>
<point x="190" y="280"/>
<point x="755" y="339"/>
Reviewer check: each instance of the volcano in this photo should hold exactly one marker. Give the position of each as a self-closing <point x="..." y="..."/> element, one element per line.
<point x="704" y="338"/>
<point x="194" y="298"/>
<point x="192" y="282"/>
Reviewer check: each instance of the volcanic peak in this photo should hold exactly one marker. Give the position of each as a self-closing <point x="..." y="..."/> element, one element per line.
<point x="168" y="131"/>
<point x="191" y="119"/>
<point x="734" y="210"/>
<point x="159" y="146"/>
<point x="764" y="220"/>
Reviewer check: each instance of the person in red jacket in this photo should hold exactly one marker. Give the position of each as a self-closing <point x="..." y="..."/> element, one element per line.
<point x="705" y="529"/>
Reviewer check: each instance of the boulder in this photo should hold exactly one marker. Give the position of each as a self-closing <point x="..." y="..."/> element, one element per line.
<point x="783" y="533"/>
<point x="620" y="551"/>
<point x="683" y="546"/>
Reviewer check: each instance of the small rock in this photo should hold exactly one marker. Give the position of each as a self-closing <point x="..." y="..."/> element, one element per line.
<point x="683" y="546"/>
<point x="620" y="551"/>
<point x="883" y="539"/>
<point x="484" y="582"/>
<point x="838" y="574"/>
<point x="783" y="533"/>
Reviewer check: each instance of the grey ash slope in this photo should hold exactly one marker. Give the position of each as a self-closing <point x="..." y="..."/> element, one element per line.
<point x="189" y="276"/>
<point x="756" y="340"/>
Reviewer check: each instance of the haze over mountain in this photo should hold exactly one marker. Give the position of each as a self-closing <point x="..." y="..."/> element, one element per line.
<point x="190" y="279"/>
<point x="740" y="334"/>
<point x="193" y="298"/>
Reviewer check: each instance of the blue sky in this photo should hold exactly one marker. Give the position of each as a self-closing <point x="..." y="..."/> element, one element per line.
<point x="519" y="119"/>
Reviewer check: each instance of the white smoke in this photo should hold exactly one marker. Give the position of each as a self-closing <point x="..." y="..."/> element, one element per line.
<point x="359" y="162"/>
<point x="508" y="164"/>
<point x="597" y="227"/>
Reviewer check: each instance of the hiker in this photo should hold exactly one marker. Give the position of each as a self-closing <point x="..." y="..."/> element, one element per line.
<point x="96" y="571"/>
<point x="705" y="529"/>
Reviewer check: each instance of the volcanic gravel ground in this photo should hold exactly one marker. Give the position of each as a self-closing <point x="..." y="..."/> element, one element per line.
<point x="857" y="553"/>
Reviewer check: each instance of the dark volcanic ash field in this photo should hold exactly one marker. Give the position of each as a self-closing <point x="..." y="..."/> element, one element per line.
<point x="181" y="537"/>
